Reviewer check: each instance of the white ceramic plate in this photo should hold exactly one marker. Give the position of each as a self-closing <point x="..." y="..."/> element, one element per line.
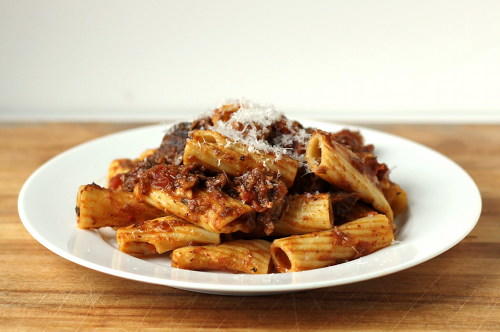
<point x="444" y="207"/>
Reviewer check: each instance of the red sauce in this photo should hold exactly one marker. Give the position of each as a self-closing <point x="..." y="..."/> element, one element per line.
<point x="168" y="178"/>
<point x="116" y="182"/>
<point x="260" y="189"/>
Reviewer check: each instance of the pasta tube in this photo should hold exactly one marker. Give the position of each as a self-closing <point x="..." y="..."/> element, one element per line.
<point x="315" y="250"/>
<point x="247" y="256"/>
<point x="212" y="210"/>
<point x="100" y="207"/>
<point x="396" y="197"/>
<point x="216" y="151"/>
<point x="370" y="233"/>
<point x="162" y="235"/>
<point x="305" y="214"/>
<point x="331" y="161"/>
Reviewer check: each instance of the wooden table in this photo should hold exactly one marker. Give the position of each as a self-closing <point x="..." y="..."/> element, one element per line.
<point x="457" y="291"/>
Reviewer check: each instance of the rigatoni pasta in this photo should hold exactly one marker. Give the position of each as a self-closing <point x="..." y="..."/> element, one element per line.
<point x="100" y="207"/>
<point x="213" y="211"/>
<point x="305" y="213"/>
<point x="396" y="197"/>
<point x="370" y="233"/>
<point x="333" y="162"/>
<point x="212" y="149"/>
<point x="160" y="235"/>
<point x="215" y="187"/>
<point x="247" y="256"/>
<point x="319" y="249"/>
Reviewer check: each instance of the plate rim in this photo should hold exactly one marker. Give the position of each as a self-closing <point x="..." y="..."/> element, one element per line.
<point x="240" y="289"/>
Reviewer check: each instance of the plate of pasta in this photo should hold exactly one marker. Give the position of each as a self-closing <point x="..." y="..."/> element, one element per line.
<point x="245" y="201"/>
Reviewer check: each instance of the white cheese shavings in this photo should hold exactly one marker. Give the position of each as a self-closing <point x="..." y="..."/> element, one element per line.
<point x="256" y="114"/>
<point x="254" y="122"/>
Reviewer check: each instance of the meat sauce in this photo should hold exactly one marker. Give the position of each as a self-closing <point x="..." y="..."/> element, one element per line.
<point x="169" y="178"/>
<point x="263" y="190"/>
<point x="169" y="153"/>
<point x="259" y="189"/>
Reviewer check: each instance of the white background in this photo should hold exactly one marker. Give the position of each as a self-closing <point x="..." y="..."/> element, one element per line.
<point x="346" y="60"/>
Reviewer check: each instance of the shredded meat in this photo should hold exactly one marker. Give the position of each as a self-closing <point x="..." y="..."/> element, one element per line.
<point x="342" y="204"/>
<point x="217" y="182"/>
<point x="168" y="177"/>
<point x="259" y="189"/>
<point x="282" y="128"/>
<point x="307" y="182"/>
<point x="359" y="210"/>
<point x="351" y="139"/>
<point x="130" y="179"/>
<point x="267" y="218"/>
<point x="202" y="123"/>
<point x="367" y="163"/>
<point x="374" y="168"/>
<point x="169" y="152"/>
<point x="173" y="143"/>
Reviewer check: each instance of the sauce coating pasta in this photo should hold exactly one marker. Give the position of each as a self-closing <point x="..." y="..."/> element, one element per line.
<point x="247" y="190"/>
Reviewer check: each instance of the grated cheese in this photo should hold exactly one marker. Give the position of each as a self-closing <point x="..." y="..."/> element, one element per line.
<point x="257" y="121"/>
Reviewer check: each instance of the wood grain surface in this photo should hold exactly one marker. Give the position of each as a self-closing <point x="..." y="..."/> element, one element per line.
<point x="457" y="291"/>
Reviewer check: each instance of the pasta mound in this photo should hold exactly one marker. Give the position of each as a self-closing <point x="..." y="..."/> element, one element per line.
<point x="246" y="190"/>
